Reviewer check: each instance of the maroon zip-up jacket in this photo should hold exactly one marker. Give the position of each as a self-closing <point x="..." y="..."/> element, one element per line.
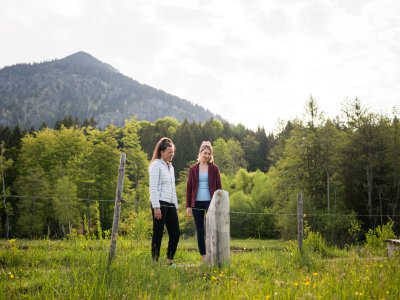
<point x="214" y="182"/>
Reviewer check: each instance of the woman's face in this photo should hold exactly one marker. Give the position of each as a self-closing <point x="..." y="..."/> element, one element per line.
<point x="167" y="154"/>
<point x="205" y="155"/>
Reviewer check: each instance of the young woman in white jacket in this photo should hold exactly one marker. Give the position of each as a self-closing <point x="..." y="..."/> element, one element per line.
<point x="164" y="203"/>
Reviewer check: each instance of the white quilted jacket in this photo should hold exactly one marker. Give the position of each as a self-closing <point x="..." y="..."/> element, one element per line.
<point x="162" y="183"/>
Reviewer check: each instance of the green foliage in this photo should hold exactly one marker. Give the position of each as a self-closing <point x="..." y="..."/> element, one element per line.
<point x="344" y="167"/>
<point x="57" y="166"/>
<point x="340" y="171"/>
<point x="140" y="225"/>
<point x="229" y="156"/>
<point x="314" y="241"/>
<point x="137" y="164"/>
<point x="66" y="205"/>
<point x="355" y="230"/>
<point x="241" y="221"/>
<point x="374" y="238"/>
<point x="5" y="166"/>
<point x="36" y="205"/>
<point x="98" y="222"/>
<point x="243" y="181"/>
<point x="166" y="127"/>
<point x="86" y="226"/>
<point x="186" y="148"/>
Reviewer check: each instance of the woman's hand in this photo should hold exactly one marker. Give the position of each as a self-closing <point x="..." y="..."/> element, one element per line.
<point x="157" y="213"/>
<point x="189" y="211"/>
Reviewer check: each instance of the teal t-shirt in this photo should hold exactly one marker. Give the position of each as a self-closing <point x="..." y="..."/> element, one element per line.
<point x="203" y="193"/>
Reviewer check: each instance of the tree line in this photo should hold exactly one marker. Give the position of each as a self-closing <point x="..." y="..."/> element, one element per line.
<point x="61" y="179"/>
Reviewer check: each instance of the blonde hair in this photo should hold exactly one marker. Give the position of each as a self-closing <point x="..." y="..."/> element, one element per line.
<point x="206" y="145"/>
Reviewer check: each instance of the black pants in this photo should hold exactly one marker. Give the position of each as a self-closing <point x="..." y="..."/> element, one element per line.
<point x="199" y="213"/>
<point x="169" y="218"/>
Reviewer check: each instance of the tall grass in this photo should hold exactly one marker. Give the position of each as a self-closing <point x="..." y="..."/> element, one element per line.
<point x="77" y="269"/>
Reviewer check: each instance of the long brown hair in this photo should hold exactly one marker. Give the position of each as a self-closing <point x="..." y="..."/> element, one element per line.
<point x="162" y="144"/>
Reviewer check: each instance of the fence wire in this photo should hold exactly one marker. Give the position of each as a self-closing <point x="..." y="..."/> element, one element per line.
<point x="305" y="214"/>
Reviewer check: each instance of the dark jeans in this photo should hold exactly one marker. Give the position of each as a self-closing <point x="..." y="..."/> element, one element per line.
<point x="169" y="218"/>
<point x="199" y="212"/>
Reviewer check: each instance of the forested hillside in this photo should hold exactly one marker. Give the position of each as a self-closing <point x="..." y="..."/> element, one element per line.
<point x="348" y="169"/>
<point x="83" y="87"/>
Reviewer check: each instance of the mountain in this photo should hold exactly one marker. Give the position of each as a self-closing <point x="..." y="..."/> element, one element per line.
<point x="83" y="87"/>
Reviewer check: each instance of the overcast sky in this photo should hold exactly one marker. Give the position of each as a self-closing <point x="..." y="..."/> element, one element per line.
<point x="252" y="62"/>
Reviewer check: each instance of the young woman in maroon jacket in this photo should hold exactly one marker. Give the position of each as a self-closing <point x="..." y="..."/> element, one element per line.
<point x="203" y="180"/>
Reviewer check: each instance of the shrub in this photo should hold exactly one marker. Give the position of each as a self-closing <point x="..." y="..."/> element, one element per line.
<point x="375" y="237"/>
<point x="141" y="226"/>
<point x="314" y="242"/>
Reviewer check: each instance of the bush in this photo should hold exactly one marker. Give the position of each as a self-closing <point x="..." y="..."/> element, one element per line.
<point x="375" y="237"/>
<point x="141" y="226"/>
<point x="314" y="242"/>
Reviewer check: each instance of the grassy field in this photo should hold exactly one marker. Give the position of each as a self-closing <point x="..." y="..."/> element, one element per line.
<point x="77" y="269"/>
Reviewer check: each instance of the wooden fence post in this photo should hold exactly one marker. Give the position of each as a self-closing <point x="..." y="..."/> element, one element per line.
<point x="218" y="230"/>
<point x="300" y="221"/>
<point x="117" y="208"/>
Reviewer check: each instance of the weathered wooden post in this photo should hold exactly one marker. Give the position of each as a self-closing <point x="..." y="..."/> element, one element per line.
<point x="117" y="208"/>
<point x="218" y="230"/>
<point x="300" y="221"/>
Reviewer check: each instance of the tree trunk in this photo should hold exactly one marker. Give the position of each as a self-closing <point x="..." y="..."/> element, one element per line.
<point x="137" y="194"/>
<point x="328" y="192"/>
<point x="369" y="189"/>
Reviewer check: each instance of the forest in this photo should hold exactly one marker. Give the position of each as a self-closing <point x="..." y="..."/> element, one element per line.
<point x="62" y="179"/>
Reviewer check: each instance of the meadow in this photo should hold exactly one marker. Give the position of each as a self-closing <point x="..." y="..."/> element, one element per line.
<point x="270" y="269"/>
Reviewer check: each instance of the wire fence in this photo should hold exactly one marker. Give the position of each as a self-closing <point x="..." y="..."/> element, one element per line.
<point x="306" y="214"/>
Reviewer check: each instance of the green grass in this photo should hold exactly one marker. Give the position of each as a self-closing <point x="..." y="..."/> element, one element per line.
<point x="269" y="270"/>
